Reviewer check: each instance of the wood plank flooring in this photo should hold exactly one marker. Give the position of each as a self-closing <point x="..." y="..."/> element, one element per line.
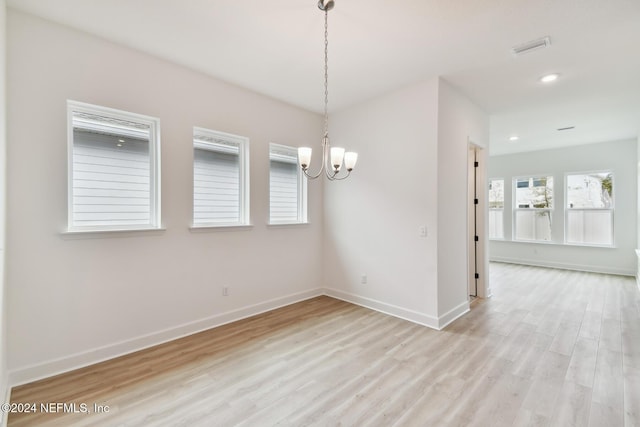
<point x="551" y="348"/>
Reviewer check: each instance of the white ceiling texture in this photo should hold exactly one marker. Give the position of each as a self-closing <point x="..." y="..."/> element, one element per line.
<point x="276" y="48"/>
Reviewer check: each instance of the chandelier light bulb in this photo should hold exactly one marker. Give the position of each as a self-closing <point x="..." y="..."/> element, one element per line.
<point x="337" y="155"/>
<point x="304" y="157"/>
<point x="350" y="159"/>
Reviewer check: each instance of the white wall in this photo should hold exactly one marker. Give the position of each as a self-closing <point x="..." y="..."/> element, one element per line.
<point x="3" y="133"/>
<point x="372" y="218"/>
<point x="459" y="122"/>
<point x="412" y="145"/>
<point x="74" y="300"/>
<point x="618" y="156"/>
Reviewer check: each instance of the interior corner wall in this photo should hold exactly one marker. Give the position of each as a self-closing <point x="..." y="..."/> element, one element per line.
<point x="460" y="122"/>
<point x="74" y="301"/>
<point x="3" y="140"/>
<point x="619" y="156"/>
<point x="373" y="219"/>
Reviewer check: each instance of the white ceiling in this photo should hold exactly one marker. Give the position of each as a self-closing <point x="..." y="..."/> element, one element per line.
<point x="276" y="48"/>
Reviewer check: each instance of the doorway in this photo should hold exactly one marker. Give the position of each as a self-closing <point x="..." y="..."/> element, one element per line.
<point x="477" y="247"/>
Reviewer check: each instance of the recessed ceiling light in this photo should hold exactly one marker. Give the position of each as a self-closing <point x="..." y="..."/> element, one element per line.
<point x="514" y="138"/>
<point x="549" y="78"/>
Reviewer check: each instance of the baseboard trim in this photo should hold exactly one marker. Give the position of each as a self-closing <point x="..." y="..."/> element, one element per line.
<point x="79" y="360"/>
<point x="565" y="266"/>
<point x="383" y="307"/>
<point x="453" y="314"/>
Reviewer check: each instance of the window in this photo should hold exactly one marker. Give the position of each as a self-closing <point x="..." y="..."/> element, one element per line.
<point x="287" y="186"/>
<point x="114" y="164"/>
<point x="533" y="204"/>
<point x="220" y="179"/>
<point x="590" y="208"/>
<point x="496" y="209"/>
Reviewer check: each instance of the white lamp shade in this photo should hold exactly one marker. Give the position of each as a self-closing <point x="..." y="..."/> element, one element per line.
<point x="350" y="159"/>
<point x="304" y="156"/>
<point x="337" y="154"/>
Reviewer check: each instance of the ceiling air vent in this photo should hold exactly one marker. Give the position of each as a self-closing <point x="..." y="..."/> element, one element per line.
<point x="531" y="46"/>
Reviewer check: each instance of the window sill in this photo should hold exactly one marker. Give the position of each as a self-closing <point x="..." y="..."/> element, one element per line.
<point x="124" y="232"/>
<point x="214" y="228"/>
<point x="286" y="224"/>
<point x="590" y="245"/>
<point x="549" y="243"/>
<point x="537" y="242"/>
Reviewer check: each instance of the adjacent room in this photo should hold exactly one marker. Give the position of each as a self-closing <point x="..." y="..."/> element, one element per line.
<point x="319" y="213"/>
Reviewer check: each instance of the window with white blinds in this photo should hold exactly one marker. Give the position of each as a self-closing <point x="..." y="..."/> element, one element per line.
<point x="113" y="169"/>
<point x="287" y="186"/>
<point x="220" y="179"/>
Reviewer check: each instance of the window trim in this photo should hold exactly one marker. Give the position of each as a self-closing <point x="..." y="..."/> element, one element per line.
<point x="244" y="219"/>
<point x="515" y="209"/>
<point x="303" y="217"/>
<point x="611" y="209"/>
<point x="155" y="219"/>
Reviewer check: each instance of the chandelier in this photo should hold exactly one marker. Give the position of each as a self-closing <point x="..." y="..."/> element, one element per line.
<point x="332" y="157"/>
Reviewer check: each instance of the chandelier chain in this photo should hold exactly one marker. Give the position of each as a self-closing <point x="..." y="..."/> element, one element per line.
<point x="326" y="72"/>
<point x="332" y="157"/>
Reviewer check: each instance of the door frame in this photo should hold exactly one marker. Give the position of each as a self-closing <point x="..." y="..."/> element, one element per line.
<point x="477" y="252"/>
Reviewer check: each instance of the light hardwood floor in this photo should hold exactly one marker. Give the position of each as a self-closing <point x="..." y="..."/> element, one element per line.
<point x="552" y="347"/>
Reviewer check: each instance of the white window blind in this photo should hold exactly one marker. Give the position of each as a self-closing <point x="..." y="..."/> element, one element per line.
<point x="287" y="188"/>
<point x="219" y="190"/>
<point x="112" y="170"/>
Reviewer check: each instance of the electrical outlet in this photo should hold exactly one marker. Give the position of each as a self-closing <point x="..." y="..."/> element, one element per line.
<point x="363" y="279"/>
<point x="225" y="291"/>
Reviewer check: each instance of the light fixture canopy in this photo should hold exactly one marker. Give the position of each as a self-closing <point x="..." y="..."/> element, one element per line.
<point x="333" y="158"/>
